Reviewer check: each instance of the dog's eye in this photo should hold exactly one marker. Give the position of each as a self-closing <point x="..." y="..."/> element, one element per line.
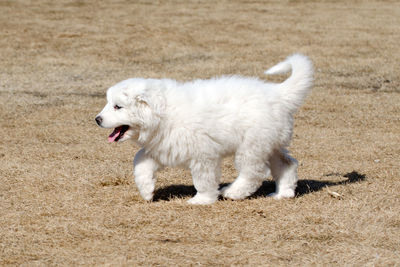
<point x="117" y="107"/>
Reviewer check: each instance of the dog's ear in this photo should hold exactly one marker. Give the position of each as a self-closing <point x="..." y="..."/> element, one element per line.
<point x="150" y="110"/>
<point x="153" y="99"/>
<point x="142" y="99"/>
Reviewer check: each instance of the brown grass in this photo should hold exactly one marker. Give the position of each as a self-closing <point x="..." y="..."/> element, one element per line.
<point x="68" y="198"/>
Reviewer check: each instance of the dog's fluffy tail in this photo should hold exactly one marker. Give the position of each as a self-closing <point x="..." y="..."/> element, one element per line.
<point x="296" y="87"/>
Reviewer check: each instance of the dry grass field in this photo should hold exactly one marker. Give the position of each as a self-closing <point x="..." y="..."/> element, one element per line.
<point x="67" y="197"/>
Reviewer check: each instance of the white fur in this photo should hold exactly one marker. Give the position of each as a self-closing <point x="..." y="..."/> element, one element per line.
<point x="195" y="124"/>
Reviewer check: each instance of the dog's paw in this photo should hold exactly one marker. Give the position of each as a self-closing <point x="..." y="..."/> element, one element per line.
<point x="147" y="192"/>
<point x="239" y="190"/>
<point x="147" y="196"/>
<point x="146" y="188"/>
<point x="203" y="199"/>
<point x="287" y="193"/>
<point x="232" y="192"/>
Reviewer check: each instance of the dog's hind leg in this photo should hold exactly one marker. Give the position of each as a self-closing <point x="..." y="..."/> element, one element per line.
<point x="144" y="172"/>
<point x="252" y="172"/>
<point x="284" y="172"/>
<point x="206" y="176"/>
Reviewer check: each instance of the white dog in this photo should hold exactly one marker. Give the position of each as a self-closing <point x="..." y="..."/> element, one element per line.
<point x="195" y="124"/>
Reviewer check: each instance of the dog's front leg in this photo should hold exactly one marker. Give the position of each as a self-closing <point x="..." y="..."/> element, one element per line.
<point x="206" y="175"/>
<point x="144" y="172"/>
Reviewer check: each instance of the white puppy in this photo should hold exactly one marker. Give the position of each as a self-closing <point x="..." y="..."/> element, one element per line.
<point x="195" y="124"/>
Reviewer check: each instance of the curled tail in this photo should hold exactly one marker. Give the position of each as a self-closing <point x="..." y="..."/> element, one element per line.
<point x="295" y="88"/>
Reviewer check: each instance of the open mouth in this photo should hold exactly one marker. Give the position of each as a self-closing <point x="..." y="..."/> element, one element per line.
<point x="118" y="133"/>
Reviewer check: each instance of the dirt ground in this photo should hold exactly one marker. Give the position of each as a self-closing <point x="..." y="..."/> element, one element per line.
<point x="67" y="197"/>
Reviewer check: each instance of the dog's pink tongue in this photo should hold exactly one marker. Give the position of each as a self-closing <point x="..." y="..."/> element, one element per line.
<point x="114" y="134"/>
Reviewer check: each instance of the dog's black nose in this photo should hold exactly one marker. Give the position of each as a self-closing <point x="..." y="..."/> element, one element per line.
<point x="99" y="120"/>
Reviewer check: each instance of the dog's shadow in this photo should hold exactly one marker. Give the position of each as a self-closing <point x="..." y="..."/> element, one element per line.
<point x="303" y="187"/>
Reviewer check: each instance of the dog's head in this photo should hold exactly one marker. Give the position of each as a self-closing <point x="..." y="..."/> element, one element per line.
<point x="132" y="105"/>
